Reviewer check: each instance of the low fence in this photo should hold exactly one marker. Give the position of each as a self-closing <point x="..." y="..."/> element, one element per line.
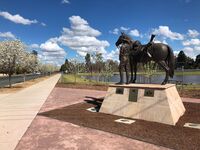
<point x="4" y="80"/>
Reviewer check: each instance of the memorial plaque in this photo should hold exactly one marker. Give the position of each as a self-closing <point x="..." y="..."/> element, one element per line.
<point x="119" y="90"/>
<point x="149" y="92"/>
<point x="133" y="94"/>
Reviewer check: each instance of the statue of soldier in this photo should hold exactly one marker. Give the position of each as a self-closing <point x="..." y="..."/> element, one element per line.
<point x="124" y="62"/>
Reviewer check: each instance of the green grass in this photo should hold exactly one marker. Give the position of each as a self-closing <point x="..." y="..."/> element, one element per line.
<point x="179" y="73"/>
<point x="70" y="79"/>
<point x="188" y="73"/>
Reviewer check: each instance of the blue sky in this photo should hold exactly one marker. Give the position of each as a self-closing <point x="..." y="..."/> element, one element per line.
<point x="64" y="29"/>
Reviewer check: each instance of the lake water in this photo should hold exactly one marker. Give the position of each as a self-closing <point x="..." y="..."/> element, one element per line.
<point x="187" y="79"/>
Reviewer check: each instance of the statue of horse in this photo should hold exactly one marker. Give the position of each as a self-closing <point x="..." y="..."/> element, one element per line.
<point x="160" y="53"/>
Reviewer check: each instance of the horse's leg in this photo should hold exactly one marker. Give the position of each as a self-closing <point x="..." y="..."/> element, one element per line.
<point x="131" y="68"/>
<point x="135" y="72"/>
<point x="166" y="68"/>
<point x="120" y="74"/>
<point x="127" y="73"/>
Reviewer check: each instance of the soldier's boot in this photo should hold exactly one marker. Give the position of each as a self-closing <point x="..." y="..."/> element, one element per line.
<point x="121" y="78"/>
<point x="127" y="78"/>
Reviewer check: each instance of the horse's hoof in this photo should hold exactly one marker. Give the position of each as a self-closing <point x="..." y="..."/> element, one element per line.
<point x="163" y="83"/>
<point x="120" y="82"/>
<point x="131" y="81"/>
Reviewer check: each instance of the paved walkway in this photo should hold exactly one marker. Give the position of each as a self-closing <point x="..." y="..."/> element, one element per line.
<point x="3" y="95"/>
<point x="17" y="111"/>
<point x="48" y="133"/>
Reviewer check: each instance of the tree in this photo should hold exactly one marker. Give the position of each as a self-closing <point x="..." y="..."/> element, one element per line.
<point x="197" y="62"/>
<point x="65" y="67"/>
<point x="48" y="68"/>
<point x="150" y="68"/>
<point x="113" y="64"/>
<point x="184" y="60"/>
<point x="190" y="64"/>
<point x="34" y="52"/>
<point x="181" y="59"/>
<point x="73" y="66"/>
<point x="11" y="55"/>
<point x="107" y="70"/>
<point x="99" y="61"/>
<point x="88" y="62"/>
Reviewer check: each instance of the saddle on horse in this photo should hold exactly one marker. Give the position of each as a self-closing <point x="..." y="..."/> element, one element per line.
<point x="138" y="47"/>
<point x="148" y="45"/>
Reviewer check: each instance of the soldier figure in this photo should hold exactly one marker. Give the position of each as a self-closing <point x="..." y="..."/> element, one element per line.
<point x="124" y="62"/>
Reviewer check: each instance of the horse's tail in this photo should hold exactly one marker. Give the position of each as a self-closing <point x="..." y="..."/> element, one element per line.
<point x="171" y="62"/>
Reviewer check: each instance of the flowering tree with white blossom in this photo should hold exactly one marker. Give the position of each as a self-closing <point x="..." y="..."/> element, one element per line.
<point x="13" y="56"/>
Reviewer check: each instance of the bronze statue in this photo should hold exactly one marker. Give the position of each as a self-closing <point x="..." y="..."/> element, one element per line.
<point x="161" y="53"/>
<point x="124" y="62"/>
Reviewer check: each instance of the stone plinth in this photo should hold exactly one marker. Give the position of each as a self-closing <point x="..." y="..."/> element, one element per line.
<point x="151" y="102"/>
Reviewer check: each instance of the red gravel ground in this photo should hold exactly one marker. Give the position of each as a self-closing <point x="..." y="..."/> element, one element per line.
<point x="48" y="133"/>
<point x="175" y="137"/>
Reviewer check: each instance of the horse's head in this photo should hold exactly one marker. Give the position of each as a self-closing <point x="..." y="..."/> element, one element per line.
<point x="123" y="38"/>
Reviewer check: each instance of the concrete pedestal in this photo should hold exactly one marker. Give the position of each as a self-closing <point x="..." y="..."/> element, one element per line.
<point x="151" y="102"/>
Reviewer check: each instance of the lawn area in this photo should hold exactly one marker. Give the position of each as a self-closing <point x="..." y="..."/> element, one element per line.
<point x="69" y="81"/>
<point x="187" y="73"/>
<point x="72" y="79"/>
<point x="176" y="72"/>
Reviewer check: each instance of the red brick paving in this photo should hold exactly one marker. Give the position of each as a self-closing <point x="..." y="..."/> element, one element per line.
<point x="46" y="133"/>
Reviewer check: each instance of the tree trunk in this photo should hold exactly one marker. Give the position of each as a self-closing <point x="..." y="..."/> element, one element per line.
<point x="75" y="77"/>
<point x="9" y="77"/>
<point x="91" y="72"/>
<point x="24" y="77"/>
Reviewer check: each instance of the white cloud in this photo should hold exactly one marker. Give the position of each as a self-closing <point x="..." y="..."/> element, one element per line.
<point x="192" y="52"/>
<point x="114" y="55"/>
<point x="115" y="31"/>
<point x="43" y="24"/>
<point x="81" y="37"/>
<point x="65" y="2"/>
<point x="82" y="54"/>
<point x="134" y="32"/>
<point x="166" y="32"/>
<point x="7" y="35"/>
<point x="51" y="52"/>
<point x="191" y="42"/>
<point x="158" y="41"/>
<point x="34" y="46"/>
<point x="17" y="18"/>
<point x="50" y="46"/>
<point x="124" y="28"/>
<point x="197" y="48"/>
<point x="193" y="33"/>
<point x="188" y="49"/>
<point x="80" y="27"/>
<point x="176" y="53"/>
